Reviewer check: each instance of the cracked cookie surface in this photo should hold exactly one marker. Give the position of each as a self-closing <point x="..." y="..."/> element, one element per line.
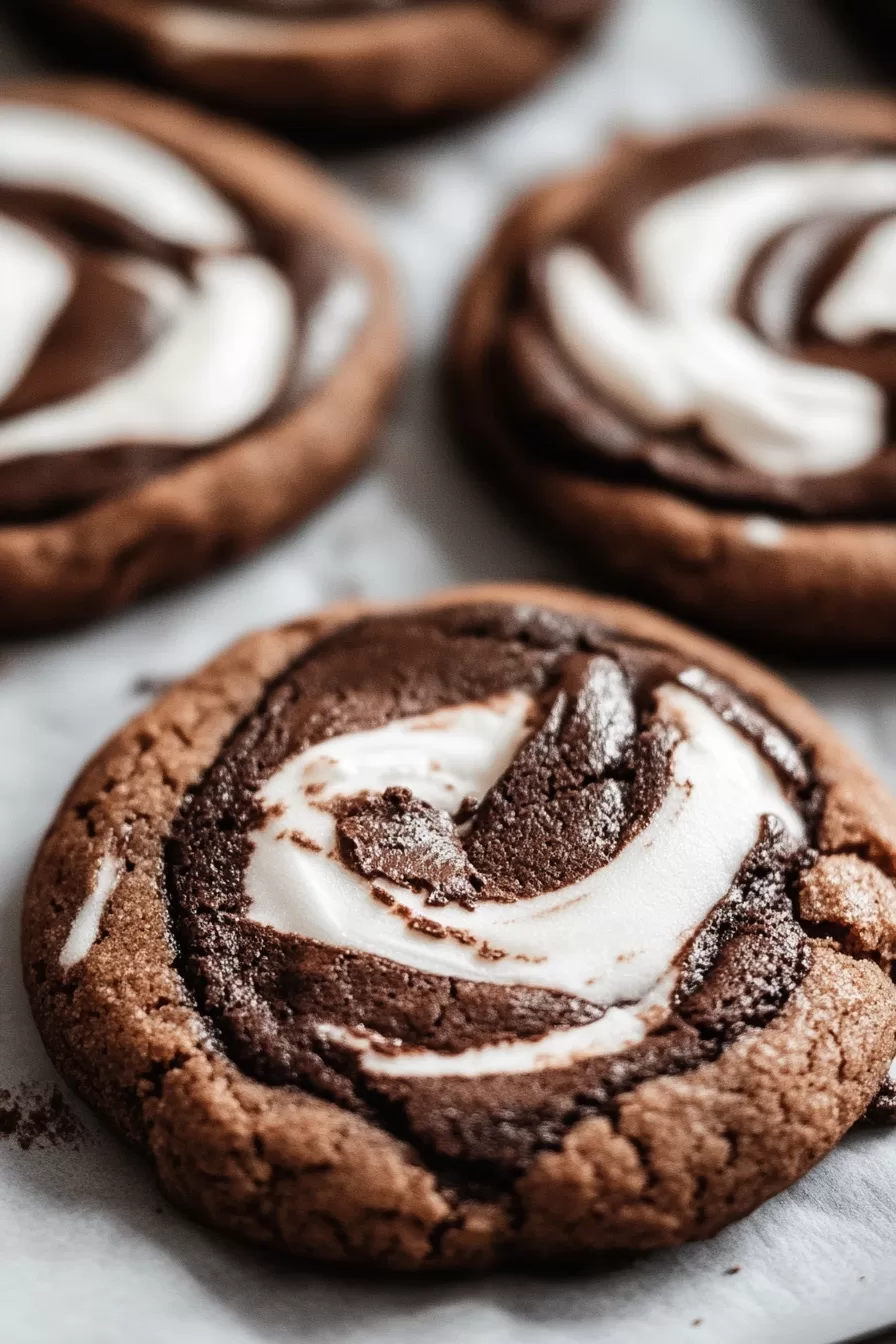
<point x="514" y="923"/>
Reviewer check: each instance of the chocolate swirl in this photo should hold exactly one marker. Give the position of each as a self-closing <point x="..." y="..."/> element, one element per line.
<point x="474" y="872"/>
<point x="147" y="317"/>
<point x="717" y="317"/>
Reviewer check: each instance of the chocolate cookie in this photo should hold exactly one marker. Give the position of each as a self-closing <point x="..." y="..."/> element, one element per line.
<point x="516" y="923"/>
<point x="685" y="358"/>
<point x="199" y="341"/>
<point x="326" y="68"/>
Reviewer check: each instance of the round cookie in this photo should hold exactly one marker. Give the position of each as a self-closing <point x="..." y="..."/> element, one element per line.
<point x="512" y="923"/>
<point x="327" y="68"/>
<point x="684" y="359"/>
<point x="200" y="340"/>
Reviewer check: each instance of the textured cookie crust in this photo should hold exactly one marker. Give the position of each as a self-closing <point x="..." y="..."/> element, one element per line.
<point x="359" y="75"/>
<point x="679" y="1158"/>
<point x="227" y="502"/>
<point x="778" y="582"/>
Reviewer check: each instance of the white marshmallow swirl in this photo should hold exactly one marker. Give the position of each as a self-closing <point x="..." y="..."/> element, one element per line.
<point x="86" y="925"/>
<point x="611" y="938"/>
<point x="224" y="343"/>
<point x="676" y="354"/>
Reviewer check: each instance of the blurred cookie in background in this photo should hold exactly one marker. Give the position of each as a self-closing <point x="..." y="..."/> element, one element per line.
<point x="684" y="358"/>
<point x="328" y="69"/>
<point x="872" y="26"/>
<point x="199" y="341"/>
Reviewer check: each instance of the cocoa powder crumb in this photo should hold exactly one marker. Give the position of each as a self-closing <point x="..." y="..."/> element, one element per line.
<point x="151" y="685"/>
<point x="38" y="1116"/>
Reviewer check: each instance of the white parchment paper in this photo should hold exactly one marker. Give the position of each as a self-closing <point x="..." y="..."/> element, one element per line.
<point x="89" y="1251"/>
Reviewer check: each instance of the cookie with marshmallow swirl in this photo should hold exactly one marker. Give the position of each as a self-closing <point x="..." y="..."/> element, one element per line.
<point x="433" y="936"/>
<point x="189" y="312"/>
<point x="686" y="356"/>
<point x="327" y="69"/>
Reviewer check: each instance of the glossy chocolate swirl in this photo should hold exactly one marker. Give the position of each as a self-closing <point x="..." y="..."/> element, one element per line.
<point x="146" y="316"/>
<point x="474" y="872"/>
<point x="720" y="319"/>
